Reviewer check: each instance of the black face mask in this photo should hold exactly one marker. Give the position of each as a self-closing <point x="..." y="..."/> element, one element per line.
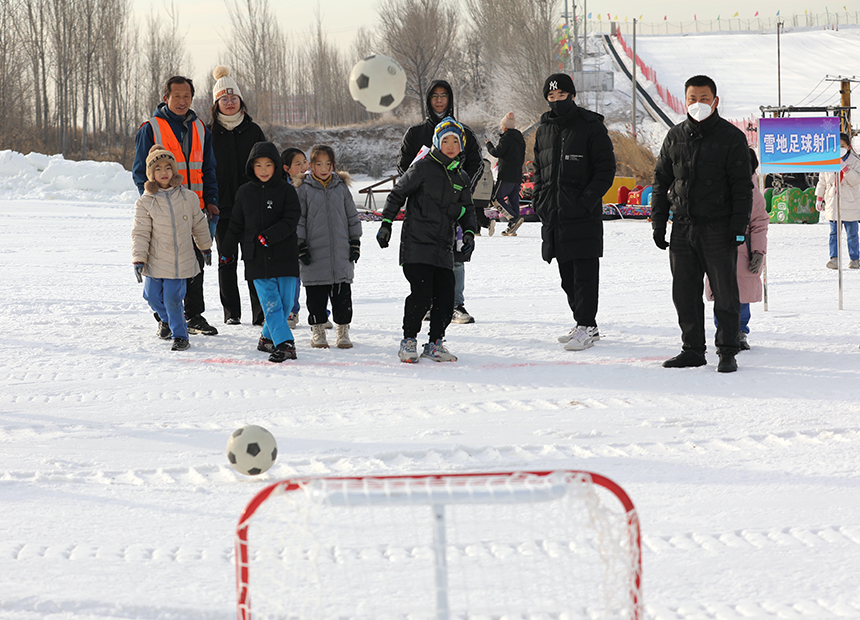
<point x="561" y="106"/>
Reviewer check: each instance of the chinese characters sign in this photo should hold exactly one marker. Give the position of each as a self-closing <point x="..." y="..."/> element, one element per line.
<point x="799" y="144"/>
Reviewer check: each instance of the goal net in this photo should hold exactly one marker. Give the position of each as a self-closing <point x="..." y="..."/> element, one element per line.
<point x="521" y="545"/>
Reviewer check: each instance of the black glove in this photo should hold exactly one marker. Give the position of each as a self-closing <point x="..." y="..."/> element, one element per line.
<point x="138" y="271"/>
<point x="207" y="257"/>
<point x="468" y="243"/>
<point x="660" y="238"/>
<point x="739" y="239"/>
<point x="756" y="262"/>
<point x="354" y="250"/>
<point x="384" y="235"/>
<point x="304" y="253"/>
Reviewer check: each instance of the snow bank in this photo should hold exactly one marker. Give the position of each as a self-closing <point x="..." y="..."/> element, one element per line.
<point x="52" y="177"/>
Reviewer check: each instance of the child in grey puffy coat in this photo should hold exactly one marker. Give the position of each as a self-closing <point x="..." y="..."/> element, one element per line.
<point x="329" y="246"/>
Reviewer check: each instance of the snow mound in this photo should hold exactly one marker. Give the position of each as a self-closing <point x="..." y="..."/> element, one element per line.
<point x="52" y="177"/>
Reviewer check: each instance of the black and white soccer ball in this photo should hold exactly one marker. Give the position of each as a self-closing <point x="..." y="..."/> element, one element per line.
<point x="252" y="450"/>
<point x="377" y="83"/>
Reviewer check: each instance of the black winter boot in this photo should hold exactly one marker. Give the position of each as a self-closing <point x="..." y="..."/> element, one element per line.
<point x="685" y="359"/>
<point x="728" y="363"/>
<point x="163" y="328"/>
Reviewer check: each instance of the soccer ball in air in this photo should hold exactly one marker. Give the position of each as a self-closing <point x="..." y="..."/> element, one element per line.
<point x="252" y="450"/>
<point x="377" y="83"/>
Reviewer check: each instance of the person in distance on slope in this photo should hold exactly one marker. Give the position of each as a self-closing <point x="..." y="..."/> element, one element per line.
<point x="265" y="216"/>
<point x="435" y="191"/>
<point x="511" y="153"/>
<point x="234" y="133"/>
<point x="750" y="259"/>
<point x="849" y="203"/>
<point x="329" y="246"/>
<point x="440" y="105"/>
<point x="166" y="218"/>
<point x="705" y="162"/>
<point x="574" y="166"/>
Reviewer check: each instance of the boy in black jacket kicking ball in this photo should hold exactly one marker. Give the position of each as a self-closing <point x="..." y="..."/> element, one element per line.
<point x="264" y="220"/>
<point x="436" y="193"/>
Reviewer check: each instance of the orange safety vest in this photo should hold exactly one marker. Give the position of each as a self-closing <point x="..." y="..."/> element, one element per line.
<point x="191" y="169"/>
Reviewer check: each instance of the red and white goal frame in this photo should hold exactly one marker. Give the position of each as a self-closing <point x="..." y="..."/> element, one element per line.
<point x="529" y="544"/>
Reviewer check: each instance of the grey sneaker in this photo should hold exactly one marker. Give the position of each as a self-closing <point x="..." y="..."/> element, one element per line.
<point x="743" y="342"/>
<point x="854" y="264"/>
<point x="832" y="264"/>
<point x="408" y="351"/>
<point x="492" y="227"/>
<point x="582" y="338"/>
<point x="595" y="336"/>
<point x="437" y="352"/>
<point x="462" y="316"/>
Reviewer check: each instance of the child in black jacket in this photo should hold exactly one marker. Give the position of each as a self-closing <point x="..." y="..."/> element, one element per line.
<point x="265" y="215"/>
<point x="436" y="193"/>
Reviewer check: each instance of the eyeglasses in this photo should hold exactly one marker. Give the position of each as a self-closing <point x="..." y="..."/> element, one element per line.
<point x="439" y="96"/>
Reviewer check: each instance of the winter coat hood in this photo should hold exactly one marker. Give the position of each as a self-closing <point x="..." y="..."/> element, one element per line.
<point x="162" y="111"/>
<point x="264" y="149"/>
<point x="449" y="111"/>
<point x="341" y="176"/>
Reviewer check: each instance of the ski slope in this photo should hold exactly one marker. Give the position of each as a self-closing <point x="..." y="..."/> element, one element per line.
<point x="744" y="65"/>
<point x="119" y="503"/>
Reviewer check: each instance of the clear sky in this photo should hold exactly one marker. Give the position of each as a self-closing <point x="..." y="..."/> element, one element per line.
<point x="206" y="23"/>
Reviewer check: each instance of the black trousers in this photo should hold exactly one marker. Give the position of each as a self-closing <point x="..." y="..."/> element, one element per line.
<point x="696" y="249"/>
<point x="480" y="216"/>
<point x="431" y="286"/>
<point x="580" y="279"/>
<point x="228" y="283"/>
<point x="316" y="300"/>
<point x="194" y="304"/>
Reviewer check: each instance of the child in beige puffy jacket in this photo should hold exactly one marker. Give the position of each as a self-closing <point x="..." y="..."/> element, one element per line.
<point x="166" y="218"/>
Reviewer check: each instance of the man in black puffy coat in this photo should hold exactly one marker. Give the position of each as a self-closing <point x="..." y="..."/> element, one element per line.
<point x="704" y="163"/>
<point x="440" y="105"/>
<point x="574" y="166"/>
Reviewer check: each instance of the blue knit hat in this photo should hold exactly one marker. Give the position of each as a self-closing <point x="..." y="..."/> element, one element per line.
<point x="449" y="126"/>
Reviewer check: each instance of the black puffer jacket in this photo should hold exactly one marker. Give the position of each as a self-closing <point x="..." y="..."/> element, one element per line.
<point x="270" y="209"/>
<point x="574" y="167"/>
<point x="706" y="166"/>
<point x="422" y="135"/>
<point x="231" y="153"/>
<point x="437" y="198"/>
<point x="511" y="153"/>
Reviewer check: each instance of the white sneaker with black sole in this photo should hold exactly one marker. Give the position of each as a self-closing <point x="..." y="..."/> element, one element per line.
<point x="580" y="338"/>
<point x="462" y="316"/>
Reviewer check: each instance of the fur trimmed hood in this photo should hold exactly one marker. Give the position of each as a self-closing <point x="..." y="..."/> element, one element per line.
<point x="343" y="175"/>
<point x="152" y="187"/>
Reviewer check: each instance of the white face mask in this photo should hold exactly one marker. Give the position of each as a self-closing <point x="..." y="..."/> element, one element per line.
<point x="843" y="151"/>
<point x="699" y="111"/>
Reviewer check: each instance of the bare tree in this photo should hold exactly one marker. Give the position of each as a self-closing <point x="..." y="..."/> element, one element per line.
<point x="10" y="82"/>
<point x="421" y="36"/>
<point x="164" y="54"/>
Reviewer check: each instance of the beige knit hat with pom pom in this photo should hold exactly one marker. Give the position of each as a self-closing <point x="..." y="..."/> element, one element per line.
<point x="224" y="84"/>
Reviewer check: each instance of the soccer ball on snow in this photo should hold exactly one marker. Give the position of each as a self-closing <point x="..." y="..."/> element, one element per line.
<point x="377" y="83"/>
<point x="252" y="450"/>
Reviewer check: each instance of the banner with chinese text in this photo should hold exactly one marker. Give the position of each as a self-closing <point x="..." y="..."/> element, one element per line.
<point x="799" y="144"/>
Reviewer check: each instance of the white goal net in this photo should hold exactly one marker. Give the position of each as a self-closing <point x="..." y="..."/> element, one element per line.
<point x="522" y="545"/>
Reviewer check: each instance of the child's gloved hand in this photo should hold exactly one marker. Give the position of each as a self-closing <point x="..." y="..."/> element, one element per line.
<point x="756" y="262"/>
<point x="138" y="271"/>
<point x="207" y="257"/>
<point x="354" y="250"/>
<point x="263" y="241"/>
<point x="468" y="243"/>
<point x="384" y="234"/>
<point x="304" y="254"/>
<point x="819" y="204"/>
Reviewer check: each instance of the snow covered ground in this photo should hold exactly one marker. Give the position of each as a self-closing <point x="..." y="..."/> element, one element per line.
<point x="744" y="65"/>
<point x="119" y="503"/>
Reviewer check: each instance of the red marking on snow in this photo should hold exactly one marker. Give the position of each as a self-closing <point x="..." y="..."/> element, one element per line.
<point x="492" y="366"/>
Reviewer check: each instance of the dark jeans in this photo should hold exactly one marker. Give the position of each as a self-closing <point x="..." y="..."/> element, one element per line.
<point x="316" y="300"/>
<point x="431" y="287"/>
<point x="194" y="304"/>
<point x="580" y="279"/>
<point x="228" y="283"/>
<point x="508" y="195"/>
<point x="696" y="249"/>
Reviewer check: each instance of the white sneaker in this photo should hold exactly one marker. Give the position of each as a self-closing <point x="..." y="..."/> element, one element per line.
<point x="318" y="340"/>
<point x="408" y="351"/>
<point x="492" y="227"/>
<point x="343" y="341"/>
<point x="566" y="337"/>
<point x="582" y="338"/>
<point x="437" y="352"/>
<point x="832" y="264"/>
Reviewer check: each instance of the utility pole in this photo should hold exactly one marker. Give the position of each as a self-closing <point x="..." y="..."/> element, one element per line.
<point x="779" y="24"/>
<point x="634" y="79"/>
<point x="845" y="100"/>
